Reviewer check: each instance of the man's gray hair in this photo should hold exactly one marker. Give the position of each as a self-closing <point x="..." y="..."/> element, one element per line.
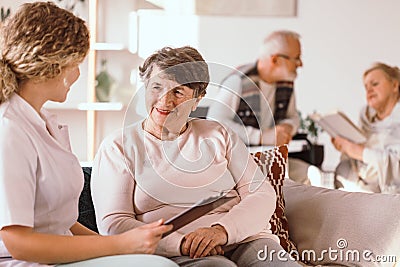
<point x="277" y="42"/>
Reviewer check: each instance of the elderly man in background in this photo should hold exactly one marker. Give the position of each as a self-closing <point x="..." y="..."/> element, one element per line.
<point x="258" y="101"/>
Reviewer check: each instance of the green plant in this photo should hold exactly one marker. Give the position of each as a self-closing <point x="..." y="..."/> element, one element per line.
<point x="104" y="83"/>
<point x="308" y="126"/>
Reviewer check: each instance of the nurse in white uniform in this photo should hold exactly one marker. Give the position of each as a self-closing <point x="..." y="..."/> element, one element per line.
<point x="41" y="47"/>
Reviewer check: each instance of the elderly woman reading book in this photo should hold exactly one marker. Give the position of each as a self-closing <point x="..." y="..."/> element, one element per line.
<point x="374" y="166"/>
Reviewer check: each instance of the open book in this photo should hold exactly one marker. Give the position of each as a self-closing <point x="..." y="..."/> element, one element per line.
<point x="338" y="124"/>
<point x="199" y="209"/>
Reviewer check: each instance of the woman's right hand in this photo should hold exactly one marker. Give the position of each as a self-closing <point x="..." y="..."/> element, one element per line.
<point x="144" y="239"/>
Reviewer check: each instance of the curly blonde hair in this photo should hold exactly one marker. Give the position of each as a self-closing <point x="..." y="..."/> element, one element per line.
<point x="37" y="42"/>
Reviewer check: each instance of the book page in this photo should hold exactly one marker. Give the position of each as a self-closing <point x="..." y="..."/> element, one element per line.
<point x="338" y="123"/>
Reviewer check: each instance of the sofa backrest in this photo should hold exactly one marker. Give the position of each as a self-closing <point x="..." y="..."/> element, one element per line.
<point x="348" y="222"/>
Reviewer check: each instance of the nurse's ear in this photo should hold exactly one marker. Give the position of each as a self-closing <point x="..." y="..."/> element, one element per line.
<point x="396" y="87"/>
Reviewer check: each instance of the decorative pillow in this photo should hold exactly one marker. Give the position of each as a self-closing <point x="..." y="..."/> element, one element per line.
<point x="333" y="227"/>
<point x="273" y="164"/>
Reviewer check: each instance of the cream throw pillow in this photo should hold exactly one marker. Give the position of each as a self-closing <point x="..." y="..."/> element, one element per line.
<point x="357" y="229"/>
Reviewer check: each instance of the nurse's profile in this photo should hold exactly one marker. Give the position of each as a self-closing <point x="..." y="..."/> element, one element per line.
<point x="42" y="46"/>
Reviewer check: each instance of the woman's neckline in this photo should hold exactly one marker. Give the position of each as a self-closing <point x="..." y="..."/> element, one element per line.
<point x="172" y="138"/>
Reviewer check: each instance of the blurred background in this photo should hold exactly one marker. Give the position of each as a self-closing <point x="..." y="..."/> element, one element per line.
<point x="340" y="39"/>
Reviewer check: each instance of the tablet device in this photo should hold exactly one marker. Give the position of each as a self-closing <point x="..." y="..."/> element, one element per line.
<point x="199" y="209"/>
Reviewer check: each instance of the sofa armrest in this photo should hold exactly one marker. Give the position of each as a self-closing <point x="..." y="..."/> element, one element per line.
<point x="347" y="222"/>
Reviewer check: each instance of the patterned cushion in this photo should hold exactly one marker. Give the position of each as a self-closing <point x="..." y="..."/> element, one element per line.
<point x="273" y="163"/>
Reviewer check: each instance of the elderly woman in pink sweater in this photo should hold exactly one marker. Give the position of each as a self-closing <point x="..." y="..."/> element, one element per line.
<point x="161" y="165"/>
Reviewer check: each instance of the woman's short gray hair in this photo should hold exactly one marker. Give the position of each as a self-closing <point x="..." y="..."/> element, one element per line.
<point x="184" y="65"/>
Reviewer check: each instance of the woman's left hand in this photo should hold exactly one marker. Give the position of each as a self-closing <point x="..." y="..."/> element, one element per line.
<point x="202" y="241"/>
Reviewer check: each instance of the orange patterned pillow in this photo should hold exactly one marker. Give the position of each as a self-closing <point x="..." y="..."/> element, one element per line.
<point x="273" y="163"/>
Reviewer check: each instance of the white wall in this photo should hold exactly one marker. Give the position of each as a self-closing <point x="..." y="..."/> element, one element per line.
<point x="340" y="39"/>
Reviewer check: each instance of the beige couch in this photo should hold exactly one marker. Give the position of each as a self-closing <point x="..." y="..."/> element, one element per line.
<point x="329" y="227"/>
<point x="332" y="227"/>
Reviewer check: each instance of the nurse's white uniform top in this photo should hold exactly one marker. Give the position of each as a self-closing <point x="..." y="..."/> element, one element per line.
<point x="41" y="181"/>
<point x="40" y="178"/>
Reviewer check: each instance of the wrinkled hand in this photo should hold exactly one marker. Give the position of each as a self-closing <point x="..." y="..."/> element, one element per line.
<point x="283" y="134"/>
<point x="347" y="147"/>
<point x="144" y="239"/>
<point x="204" y="242"/>
<point x="278" y="135"/>
<point x="341" y="144"/>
